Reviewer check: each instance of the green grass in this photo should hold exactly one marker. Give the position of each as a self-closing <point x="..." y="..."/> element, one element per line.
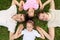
<point x="5" y="4"/>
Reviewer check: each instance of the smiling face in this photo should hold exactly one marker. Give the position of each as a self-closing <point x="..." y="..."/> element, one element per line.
<point x="31" y="12"/>
<point x="20" y="17"/>
<point x="29" y="25"/>
<point x="43" y="16"/>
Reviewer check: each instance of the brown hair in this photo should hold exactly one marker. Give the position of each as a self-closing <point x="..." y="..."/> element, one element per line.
<point x="30" y="21"/>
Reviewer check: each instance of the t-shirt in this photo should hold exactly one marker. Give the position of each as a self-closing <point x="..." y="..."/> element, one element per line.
<point x="30" y="35"/>
<point x="6" y="18"/>
<point x="55" y="18"/>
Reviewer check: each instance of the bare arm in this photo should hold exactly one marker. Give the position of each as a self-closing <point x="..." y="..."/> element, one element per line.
<point x="42" y="36"/>
<point x="21" y="5"/>
<point x="15" y="2"/>
<point x="52" y="5"/>
<point x="47" y="2"/>
<point x="21" y="0"/>
<point x="40" y="3"/>
<point x="45" y="33"/>
<point x="18" y="32"/>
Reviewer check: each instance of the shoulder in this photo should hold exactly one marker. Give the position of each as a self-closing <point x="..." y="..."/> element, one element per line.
<point x="24" y="30"/>
<point x="13" y="6"/>
<point x="35" y="31"/>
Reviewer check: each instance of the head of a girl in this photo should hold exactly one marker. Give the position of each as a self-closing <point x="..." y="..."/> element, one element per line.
<point x="19" y="17"/>
<point x="29" y="25"/>
<point x="31" y="12"/>
<point x="43" y="16"/>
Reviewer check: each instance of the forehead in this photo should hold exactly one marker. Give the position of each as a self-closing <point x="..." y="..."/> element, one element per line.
<point x="40" y="14"/>
<point x="29" y="24"/>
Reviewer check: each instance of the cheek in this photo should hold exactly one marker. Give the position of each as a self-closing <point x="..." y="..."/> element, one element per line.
<point x="18" y="20"/>
<point x="45" y="18"/>
<point x="40" y="17"/>
<point x="22" y="19"/>
<point x="31" y="13"/>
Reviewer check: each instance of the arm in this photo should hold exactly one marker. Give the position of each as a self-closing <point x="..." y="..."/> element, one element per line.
<point x="13" y="3"/>
<point x="21" y="2"/>
<point x="45" y="33"/>
<point x="42" y="36"/>
<point x="16" y="2"/>
<point x="47" y="2"/>
<point x="40" y="3"/>
<point x="21" y="5"/>
<point x="18" y="32"/>
<point x="52" y="5"/>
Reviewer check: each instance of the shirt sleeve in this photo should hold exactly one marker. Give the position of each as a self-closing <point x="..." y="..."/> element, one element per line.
<point x="12" y="10"/>
<point x="37" y="34"/>
<point x="22" y="32"/>
<point x="11" y="24"/>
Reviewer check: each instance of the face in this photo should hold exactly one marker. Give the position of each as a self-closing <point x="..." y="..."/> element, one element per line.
<point x="20" y="17"/>
<point x="43" y="16"/>
<point x="30" y="12"/>
<point x="29" y="26"/>
<point x="21" y="8"/>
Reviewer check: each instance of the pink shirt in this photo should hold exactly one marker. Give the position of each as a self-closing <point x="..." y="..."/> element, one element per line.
<point x="30" y="4"/>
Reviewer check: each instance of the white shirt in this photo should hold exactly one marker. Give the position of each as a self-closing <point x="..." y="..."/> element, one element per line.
<point x="30" y="35"/>
<point x="6" y="18"/>
<point x="55" y="18"/>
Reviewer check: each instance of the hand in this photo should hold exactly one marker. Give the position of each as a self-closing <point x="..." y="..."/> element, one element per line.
<point x="38" y="28"/>
<point x="20" y="8"/>
<point x="41" y="7"/>
<point x="21" y="5"/>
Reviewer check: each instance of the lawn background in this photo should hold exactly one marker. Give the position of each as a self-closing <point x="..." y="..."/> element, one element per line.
<point x="5" y="4"/>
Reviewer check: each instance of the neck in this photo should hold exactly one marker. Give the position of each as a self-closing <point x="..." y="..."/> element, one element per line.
<point x="29" y="30"/>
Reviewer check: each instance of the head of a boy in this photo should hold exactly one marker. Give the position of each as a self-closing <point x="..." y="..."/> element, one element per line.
<point x="31" y="12"/>
<point x="19" y="17"/>
<point x="43" y="16"/>
<point x="29" y="25"/>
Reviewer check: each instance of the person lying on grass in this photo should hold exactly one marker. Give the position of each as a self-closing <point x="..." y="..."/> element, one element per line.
<point x="52" y="17"/>
<point x="29" y="33"/>
<point x="30" y="6"/>
<point x="9" y="18"/>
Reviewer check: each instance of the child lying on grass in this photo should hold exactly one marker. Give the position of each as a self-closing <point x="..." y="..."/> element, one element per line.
<point x="29" y="33"/>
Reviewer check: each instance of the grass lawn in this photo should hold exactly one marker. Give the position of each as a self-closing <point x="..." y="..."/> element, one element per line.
<point x="5" y="4"/>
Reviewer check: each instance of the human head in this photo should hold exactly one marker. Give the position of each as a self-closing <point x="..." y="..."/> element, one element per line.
<point x="19" y="17"/>
<point x="29" y="25"/>
<point x="43" y="16"/>
<point x="31" y="12"/>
